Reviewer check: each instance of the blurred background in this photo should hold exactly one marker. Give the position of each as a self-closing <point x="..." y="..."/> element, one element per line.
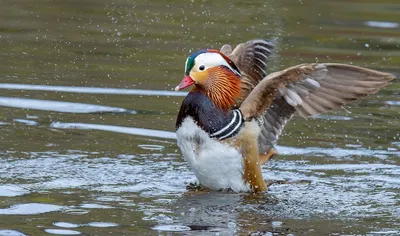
<point x="87" y="116"/>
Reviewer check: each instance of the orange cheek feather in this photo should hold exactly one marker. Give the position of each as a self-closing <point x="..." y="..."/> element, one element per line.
<point x="220" y="85"/>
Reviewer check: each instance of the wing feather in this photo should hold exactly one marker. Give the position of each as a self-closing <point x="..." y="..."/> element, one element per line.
<point x="306" y="90"/>
<point x="315" y="87"/>
<point x="251" y="58"/>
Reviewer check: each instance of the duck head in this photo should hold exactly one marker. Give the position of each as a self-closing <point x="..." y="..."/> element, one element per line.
<point x="213" y="74"/>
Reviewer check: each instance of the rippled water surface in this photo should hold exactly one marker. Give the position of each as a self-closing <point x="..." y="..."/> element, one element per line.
<point x="87" y="115"/>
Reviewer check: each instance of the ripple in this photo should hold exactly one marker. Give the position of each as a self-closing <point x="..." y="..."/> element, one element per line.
<point x="65" y="225"/>
<point x="382" y="24"/>
<point x="117" y="129"/>
<point x="393" y="103"/>
<point x="7" y="232"/>
<point x="30" y="209"/>
<point x="76" y="212"/>
<point x="365" y="167"/>
<point x="171" y="228"/>
<point x="102" y="224"/>
<point x="26" y="122"/>
<point x="283" y="150"/>
<point x="334" y="152"/>
<point x="95" y="206"/>
<point x="64" y="183"/>
<point x="385" y="232"/>
<point x="396" y="144"/>
<point x="112" y="199"/>
<point x="161" y="218"/>
<point x="332" y="117"/>
<point x="62" y="232"/>
<point x="276" y="224"/>
<point x="92" y="90"/>
<point x="151" y="147"/>
<point x="59" y="106"/>
<point x="12" y="191"/>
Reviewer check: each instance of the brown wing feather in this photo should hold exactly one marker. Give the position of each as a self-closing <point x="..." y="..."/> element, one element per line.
<point x="314" y="88"/>
<point x="307" y="89"/>
<point x="251" y="59"/>
<point x="272" y="123"/>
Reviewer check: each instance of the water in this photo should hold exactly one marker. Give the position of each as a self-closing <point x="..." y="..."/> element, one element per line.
<point x="88" y="113"/>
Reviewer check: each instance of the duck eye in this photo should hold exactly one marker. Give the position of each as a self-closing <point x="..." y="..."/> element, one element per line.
<point x="202" y="67"/>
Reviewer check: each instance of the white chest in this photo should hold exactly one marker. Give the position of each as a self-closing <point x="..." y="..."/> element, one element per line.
<point x="215" y="164"/>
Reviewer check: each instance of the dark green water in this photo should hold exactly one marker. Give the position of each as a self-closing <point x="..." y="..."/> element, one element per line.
<point x="81" y="80"/>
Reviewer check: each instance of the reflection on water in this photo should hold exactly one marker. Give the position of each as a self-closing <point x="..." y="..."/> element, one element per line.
<point x="30" y="209"/>
<point x="58" y="106"/>
<point x="62" y="231"/>
<point x="91" y="90"/>
<point x="118" y="184"/>
<point x="88" y="115"/>
<point x="381" y="24"/>
<point x="12" y="190"/>
<point x="11" y="233"/>
<point x="119" y="129"/>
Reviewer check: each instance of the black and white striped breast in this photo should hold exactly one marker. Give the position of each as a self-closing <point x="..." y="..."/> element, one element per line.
<point x="217" y="123"/>
<point x="230" y="129"/>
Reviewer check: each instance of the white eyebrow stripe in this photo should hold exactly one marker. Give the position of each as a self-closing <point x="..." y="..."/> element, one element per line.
<point x="211" y="59"/>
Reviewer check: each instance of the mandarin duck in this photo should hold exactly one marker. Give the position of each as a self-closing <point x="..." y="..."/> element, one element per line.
<point x="231" y="119"/>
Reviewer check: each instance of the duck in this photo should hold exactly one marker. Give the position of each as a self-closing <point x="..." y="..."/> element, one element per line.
<point x="230" y="121"/>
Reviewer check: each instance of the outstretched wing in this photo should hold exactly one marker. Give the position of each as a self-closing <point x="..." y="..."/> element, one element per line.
<point x="251" y="59"/>
<point x="307" y="90"/>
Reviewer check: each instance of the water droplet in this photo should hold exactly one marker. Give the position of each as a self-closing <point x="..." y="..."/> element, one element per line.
<point x="232" y="225"/>
<point x="192" y="209"/>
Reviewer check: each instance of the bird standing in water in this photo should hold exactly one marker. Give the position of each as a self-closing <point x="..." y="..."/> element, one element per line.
<point x="231" y="119"/>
